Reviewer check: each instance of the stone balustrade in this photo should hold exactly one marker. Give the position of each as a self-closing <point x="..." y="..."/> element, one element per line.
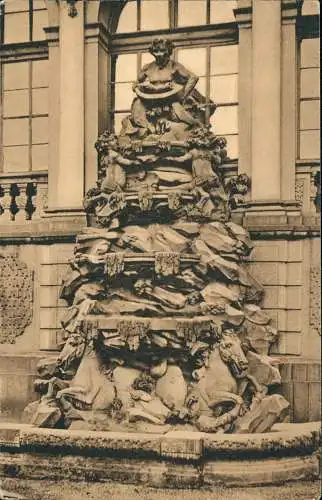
<point x="22" y="197"/>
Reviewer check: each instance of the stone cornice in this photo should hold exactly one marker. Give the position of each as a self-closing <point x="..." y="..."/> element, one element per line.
<point x="65" y="230"/>
<point x="290" y="11"/>
<point x="97" y="31"/>
<point x="21" y="51"/>
<point x="180" y="36"/>
<point x="52" y="34"/>
<point x="244" y="15"/>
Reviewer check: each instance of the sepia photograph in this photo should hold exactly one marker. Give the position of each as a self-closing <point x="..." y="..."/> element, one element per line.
<point x="160" y="260"/>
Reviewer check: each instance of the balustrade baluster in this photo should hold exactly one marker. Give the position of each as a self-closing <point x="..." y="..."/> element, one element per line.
<point x="23" y="200"/>
<point x="30" y="207"/>
<point x="20" y="202"/>
<point x="6" y="202"/>
<point x="40" y="201"/>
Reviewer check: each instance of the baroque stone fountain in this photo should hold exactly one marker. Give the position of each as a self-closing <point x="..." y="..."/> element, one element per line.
<point x="164" y="328"/>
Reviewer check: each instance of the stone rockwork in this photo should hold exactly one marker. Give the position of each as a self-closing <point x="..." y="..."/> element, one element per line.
<point x="164" y="327"/>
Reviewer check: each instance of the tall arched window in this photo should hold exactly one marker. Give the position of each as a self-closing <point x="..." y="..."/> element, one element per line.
<point x="211" y="53"/>
<point x="142" y="15"/>
<point x="24" y="86"/>
<point x="309" y="82"/>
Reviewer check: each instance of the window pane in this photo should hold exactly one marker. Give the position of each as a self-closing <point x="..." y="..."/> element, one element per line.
<point x="16" y="132"/>
<point x="194" y="59"/>
<point x="128" y="18"/>
<point x="192" y="12"/>
<point x="39" y="4"/>
<point x="154" y="14"/>
<point x="16" y="103"/>
<point x="224" y="60"/>
<point x="15" y="76"/>
<point x="201" y="85"/>
<point x="16" y="159"/>
<point x="310" y="82"/>
<point x="40" y="101"/>
<point x="123" y="96"/>
<point x="40" y="20"/>
<point x="16" y="5"/>
<point x="232" y="146"/>
<point x="225" y="120"/>
<point x="39" y="156"/>
<point x="126" y="68"/>
<point x="310" y="114"/>
<point x="223" y="89"/>
<point x="118" y="117"/>
<point x="222" y="11"/>
<point x="40" y="73"/>
<point x="310" y="53"/>
<point x="310" y="7"/>
<point x="16" y="28"/>
<point x="310" y="144"/>
<point x="39" y="130"/>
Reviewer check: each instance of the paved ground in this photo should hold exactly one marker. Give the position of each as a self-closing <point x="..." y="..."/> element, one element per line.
<point x="50" y="490"/>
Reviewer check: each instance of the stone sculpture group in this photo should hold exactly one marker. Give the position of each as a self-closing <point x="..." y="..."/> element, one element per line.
<point x="164" y="327"/>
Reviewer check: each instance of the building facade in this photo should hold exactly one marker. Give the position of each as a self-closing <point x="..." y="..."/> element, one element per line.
<point x="67" y="69"/>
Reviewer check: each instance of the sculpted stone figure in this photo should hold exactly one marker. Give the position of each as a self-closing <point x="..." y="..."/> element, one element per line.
<point x="164" y="325"/>
<point x="162" y="91"/>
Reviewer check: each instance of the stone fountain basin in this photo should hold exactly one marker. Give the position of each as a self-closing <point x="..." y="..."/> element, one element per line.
<point x="173" y="460"/>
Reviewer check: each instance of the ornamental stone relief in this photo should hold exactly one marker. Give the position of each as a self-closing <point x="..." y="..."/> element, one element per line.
<point x="315" y="301"/>
<point x="16" y="298"/>
<point x="299" y="190"/>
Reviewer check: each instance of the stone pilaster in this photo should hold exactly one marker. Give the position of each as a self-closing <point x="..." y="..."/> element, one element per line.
<point x="52" y="34"/>
<point x="97" y="68"/>
<point x="243" y="15"/>
<point x="288" y="98"/>
<point x="70" y="172"/>
<point x="266" y="100"/>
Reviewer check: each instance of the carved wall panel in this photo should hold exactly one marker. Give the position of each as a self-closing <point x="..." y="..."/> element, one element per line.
<point x="299" y="190"/>
<point x="16" y="298"/>
<point x="315" y="301"/>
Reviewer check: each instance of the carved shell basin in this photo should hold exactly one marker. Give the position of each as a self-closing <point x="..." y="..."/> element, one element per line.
<point x="119" y="263"/>
<point x="161" y="95"/>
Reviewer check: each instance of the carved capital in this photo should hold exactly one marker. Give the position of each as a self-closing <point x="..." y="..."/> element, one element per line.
<point x="72" y="10"/>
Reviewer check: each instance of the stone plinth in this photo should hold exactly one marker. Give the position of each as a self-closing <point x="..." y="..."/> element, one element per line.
<point x="172" y="460"/>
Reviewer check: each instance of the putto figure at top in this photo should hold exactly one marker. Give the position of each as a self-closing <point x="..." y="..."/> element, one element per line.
<point x="167" y="101"/>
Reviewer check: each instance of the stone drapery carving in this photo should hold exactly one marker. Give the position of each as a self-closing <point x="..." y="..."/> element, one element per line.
<point x="16" y="298"/>
<point x="164" y="324"/>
